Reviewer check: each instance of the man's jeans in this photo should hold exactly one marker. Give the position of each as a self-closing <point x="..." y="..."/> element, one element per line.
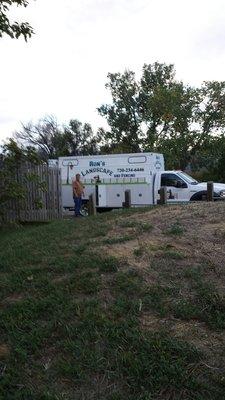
<point x="78" y="204"/>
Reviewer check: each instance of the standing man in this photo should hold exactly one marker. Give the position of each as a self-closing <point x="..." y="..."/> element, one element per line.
<point x="78" y="192"/>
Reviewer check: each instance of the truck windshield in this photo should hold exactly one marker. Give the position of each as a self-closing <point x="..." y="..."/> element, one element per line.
<point x="188" y="178"/>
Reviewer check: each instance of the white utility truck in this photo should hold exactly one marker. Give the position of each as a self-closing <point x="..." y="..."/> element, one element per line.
<point x="109" y="176"/>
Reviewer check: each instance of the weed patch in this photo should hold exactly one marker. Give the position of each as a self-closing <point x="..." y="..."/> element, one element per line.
<point x="126" y="223"/>
<point x="110" y="264"/>
<point x="128" y="282"/>
<point x="174" y="254"/>
<point x="157" y="298"/>
<point x="176" y="229"/>
<point x="118" y="239"/>
<point x="139" y="251"/>
<point x="144" y="227"/>
<point x="206" y="306"/>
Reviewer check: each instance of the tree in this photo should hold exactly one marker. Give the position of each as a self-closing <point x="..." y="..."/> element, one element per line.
<point x="156" y="113"/>
<point x="212" y="110"/>
<point x="13" y="29"/>
<point x="123" y="115"/>
<point x="53" y="141"/>
<point x="80" y="138"/>
<point x="44" y="135"/>
<point x="209" y="151"/>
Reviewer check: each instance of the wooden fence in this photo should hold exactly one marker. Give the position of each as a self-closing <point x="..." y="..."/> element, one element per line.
<point x="42" y="200"/>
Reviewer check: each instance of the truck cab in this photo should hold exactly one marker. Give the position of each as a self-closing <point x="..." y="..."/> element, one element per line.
<point x="181" y="187"/>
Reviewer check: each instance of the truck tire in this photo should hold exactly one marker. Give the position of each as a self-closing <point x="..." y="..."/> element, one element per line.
<point x="84" y="209"/>
<point x="199" y="196"/>
<point x="202" y="196"/>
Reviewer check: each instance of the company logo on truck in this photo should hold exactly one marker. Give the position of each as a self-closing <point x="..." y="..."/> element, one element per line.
<point x="97" y="167"/>
<point x="97" y="164"/>
<point x="97" y="170"/>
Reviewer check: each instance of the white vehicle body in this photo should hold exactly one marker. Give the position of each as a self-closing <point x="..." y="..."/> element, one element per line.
<point x="109" y="176"/>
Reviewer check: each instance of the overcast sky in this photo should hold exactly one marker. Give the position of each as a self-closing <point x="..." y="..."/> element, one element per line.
<point x="62" y="70"/>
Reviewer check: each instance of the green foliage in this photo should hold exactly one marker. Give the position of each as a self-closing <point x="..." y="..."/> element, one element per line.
<point x="207" y="305"/>
<point x="118" y="239"/>
<point x="13" y="29"/>
<point x="158" y="105"/>
<point x="174" y="254"/>
<point x="175" y="229"/>
<point x="163" y="114"/>
<point x="12" y="183"/>
<point x="144" y="227"/>
<point x="156" y="298"/>
<point x="123" y="116"/>
<point x="127" y="223"/>
<point x="138" y="252"/>
<point x="155" y="113"/>
<point x="108" y="265"/>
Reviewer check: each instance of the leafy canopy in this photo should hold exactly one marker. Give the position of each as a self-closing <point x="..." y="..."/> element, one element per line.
<point x="12" y="157"/>
<point x="160" y="113"/>
<point x="13" y="29"/>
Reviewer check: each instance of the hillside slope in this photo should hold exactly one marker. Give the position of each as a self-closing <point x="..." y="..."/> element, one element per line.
<point x="126" y="305"/>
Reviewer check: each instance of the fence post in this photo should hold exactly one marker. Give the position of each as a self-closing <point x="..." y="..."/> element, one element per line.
<point x="92" y="205"/>
<point x="127" y="202"/>
<point x="59" y="181"/>
<point x="210" y="191"/>
<point x="163" y="195"/>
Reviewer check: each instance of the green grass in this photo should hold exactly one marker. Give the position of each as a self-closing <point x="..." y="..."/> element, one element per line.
<point x="207" y="306"/>
<point x="138" y="225"/>
<point x="127" y="223"/>
<point x="109" y="264"/>
<point x="118" y="239"/>
<point x="157" y="298"/>
<point x="70" y="318"/>
<point x="174" y="254"/>
<point x="139" y="251"/>
<point x="176" y="229"/>
<point x="144" y="227"/>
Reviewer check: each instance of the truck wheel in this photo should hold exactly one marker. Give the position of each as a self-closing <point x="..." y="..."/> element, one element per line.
<point x="203" y="197"/>
<point x="84" y="210"/>
<point x="199" y="197"/>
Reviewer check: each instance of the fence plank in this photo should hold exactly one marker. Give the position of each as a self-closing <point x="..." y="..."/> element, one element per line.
<point x="28" y="209"/>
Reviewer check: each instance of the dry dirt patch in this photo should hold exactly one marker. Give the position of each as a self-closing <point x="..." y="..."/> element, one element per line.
<point x="14" y="298"/>
<point x="4" y="351"/>
<point x="202" y="239"/>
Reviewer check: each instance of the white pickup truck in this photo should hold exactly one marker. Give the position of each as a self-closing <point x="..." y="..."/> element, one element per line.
<point x="182" y="187"/>
<point x="108" y="176"/>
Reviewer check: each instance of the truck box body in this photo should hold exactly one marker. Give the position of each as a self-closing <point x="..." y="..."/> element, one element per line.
<point x="113" y="174"/>
<point x="109" y="176"/>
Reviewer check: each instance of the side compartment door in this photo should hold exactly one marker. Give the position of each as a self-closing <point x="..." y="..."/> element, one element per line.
<point x="102" y="193"/>
<point x="177" y="188"/>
